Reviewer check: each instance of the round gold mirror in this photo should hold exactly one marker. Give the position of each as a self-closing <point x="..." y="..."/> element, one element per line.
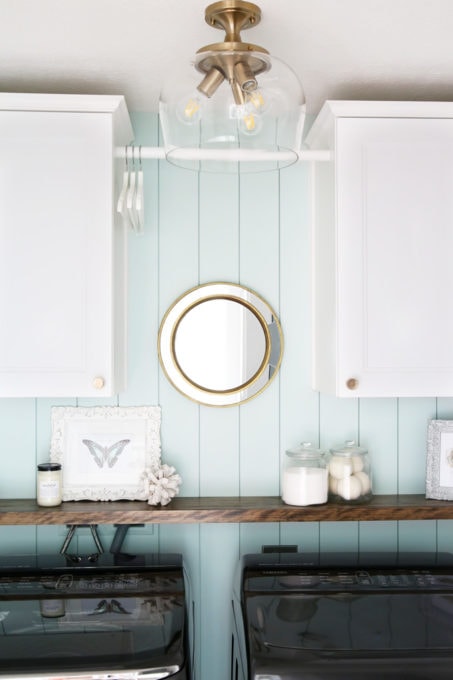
<point x="220" y="344"/>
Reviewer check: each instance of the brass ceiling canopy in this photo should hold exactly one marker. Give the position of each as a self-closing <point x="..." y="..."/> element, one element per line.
<point x="233" y="16"/>
<point x="233" y="60"/>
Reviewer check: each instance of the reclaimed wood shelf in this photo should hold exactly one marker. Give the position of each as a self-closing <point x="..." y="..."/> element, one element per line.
<point x="221" y="509"/>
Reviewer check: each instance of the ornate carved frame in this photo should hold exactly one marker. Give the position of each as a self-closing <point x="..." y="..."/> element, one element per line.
<point x="105" y="450"/>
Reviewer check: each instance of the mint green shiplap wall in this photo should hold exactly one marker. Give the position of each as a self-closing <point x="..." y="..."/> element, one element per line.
<point x="253" y="230"/>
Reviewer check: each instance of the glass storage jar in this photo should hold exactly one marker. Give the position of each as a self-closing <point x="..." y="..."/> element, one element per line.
<point x="304" y="479"/>
<point x="350" y="474"/>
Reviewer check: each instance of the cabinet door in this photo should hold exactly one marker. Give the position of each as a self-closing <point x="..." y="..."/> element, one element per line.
<point x="56" y="254"/>
<point x="394" y="203"/>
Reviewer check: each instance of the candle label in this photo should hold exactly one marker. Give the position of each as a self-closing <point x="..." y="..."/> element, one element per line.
<point x="50" y="489"/>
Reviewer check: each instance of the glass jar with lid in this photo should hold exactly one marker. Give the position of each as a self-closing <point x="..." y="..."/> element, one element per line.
<point x="304" y="479"/>
<point x="350" y="474"/>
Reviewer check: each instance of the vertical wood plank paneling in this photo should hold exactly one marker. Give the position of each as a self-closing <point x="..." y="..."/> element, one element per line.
<point x="445" y="536"/>
<point x="444" y="409"/>
<point x="412" y="426"/>
<point x="341" y="537"/>
<point x="143" y="281"/>
<point x="306" y="535"/>
<point x="18" y="540"/>
<point x="259" y="235"/>
<point x="97" y="401"/>
<point x="44" y="425"/>
<point x="180" y="437"/>
<point x="178" y="233"/>
<point x="379" y="434"/>
<point x="299" y="403"/>
<point x="339" y="421"/>
<point x="252" y="537"/>
<point x="219" y="261"/>
<point x="219" y="451"/>
<point x="259" y="259"/>
<point x="417" y="536"/>
<point x="48" y="538"/>
<point x="178" y="272"/>
<point x="216" y="577"/>
<point x="219" y="228"/>
<point x="260" y="444"/>
<point x="18" y="437"/>
<point x="378" y="536"/>
<point x="185" y="540"/>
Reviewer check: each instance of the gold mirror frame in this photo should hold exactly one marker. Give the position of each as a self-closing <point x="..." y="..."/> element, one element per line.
<point x="265" y="359"/>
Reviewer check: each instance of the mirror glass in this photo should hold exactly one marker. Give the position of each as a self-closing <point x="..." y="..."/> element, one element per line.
<point x="220" y="344"/>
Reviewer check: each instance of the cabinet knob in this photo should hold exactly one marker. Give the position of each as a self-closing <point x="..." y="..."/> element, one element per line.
<point x="352" y="383"/>
<point x="98" y="383"/>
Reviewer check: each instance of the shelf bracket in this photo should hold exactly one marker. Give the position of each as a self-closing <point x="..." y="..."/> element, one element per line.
<point x="69" y="536"/>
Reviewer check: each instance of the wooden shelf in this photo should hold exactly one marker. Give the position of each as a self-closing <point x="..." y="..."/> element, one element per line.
<point x="221" y="509"/>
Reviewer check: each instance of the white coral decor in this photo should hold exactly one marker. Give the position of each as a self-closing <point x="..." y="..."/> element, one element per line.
<point x="161" y="484"/>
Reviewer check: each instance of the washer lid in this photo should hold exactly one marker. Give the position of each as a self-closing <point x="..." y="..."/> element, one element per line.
<point x="92" y="621"/>
<point x="376" y="621"/>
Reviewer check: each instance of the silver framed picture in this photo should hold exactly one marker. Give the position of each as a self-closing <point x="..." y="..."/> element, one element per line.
<point x="439" y="460"/>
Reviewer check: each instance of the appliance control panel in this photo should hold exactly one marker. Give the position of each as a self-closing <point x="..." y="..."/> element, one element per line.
<point x="359" y="579"/>
<point x="28" y="585"/>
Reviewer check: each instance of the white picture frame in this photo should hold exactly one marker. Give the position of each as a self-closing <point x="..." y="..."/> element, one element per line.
<point x="439" y="460"/>
<point x="105" y="450"/>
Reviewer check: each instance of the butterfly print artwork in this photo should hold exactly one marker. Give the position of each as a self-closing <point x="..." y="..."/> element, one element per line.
<point x="105" y="454"/>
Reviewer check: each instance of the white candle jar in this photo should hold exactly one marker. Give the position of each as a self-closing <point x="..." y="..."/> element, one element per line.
<point x="350" y="474"/>
<point x="48" y="484"/>
<point x="304" y="478"/>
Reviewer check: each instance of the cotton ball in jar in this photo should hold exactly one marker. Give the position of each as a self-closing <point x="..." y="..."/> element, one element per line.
<point x="340" y="467"/>
<point x="349" y="488"/>
<point x="365" y="481"/>
<point x="357" y="463"/>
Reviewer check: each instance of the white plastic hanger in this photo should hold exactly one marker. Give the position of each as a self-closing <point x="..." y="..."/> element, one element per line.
<point x="130" y="196"/>
<point x="139" y="196"/>
<point x="131" y="199"/>
<point x="121" y="206"/>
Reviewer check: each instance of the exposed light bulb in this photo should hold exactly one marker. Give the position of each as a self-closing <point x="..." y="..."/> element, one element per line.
<point x="258" y="101"/>
<point x="250" y="124"/>
<point x="192" y="108"/>
<point x="249" y="121"/>
<point x="247" y="109"/>
<point x="189" y="109"/>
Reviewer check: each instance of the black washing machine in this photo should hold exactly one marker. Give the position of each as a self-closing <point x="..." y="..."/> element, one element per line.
<point x="104" y="616"/>
<point x="343" y="617"/>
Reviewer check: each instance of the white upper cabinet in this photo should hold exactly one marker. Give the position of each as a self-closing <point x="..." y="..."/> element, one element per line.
<point x="383" y="249"/>
<point x="62" y="248"/>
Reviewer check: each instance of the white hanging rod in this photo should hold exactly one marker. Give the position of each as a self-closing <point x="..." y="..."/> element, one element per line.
<point x="196" y="154"/>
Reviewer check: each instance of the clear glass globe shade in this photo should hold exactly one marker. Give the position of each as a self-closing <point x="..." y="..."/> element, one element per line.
<point x="269" y="123"/>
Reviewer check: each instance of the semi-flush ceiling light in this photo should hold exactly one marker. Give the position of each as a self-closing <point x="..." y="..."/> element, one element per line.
<point x="242" y="109"/>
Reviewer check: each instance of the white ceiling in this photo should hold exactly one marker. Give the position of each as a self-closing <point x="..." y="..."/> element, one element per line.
<point x="340" y="49"/>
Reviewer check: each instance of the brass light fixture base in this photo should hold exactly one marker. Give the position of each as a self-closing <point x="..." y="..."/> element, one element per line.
<point x="232" y="16"/>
